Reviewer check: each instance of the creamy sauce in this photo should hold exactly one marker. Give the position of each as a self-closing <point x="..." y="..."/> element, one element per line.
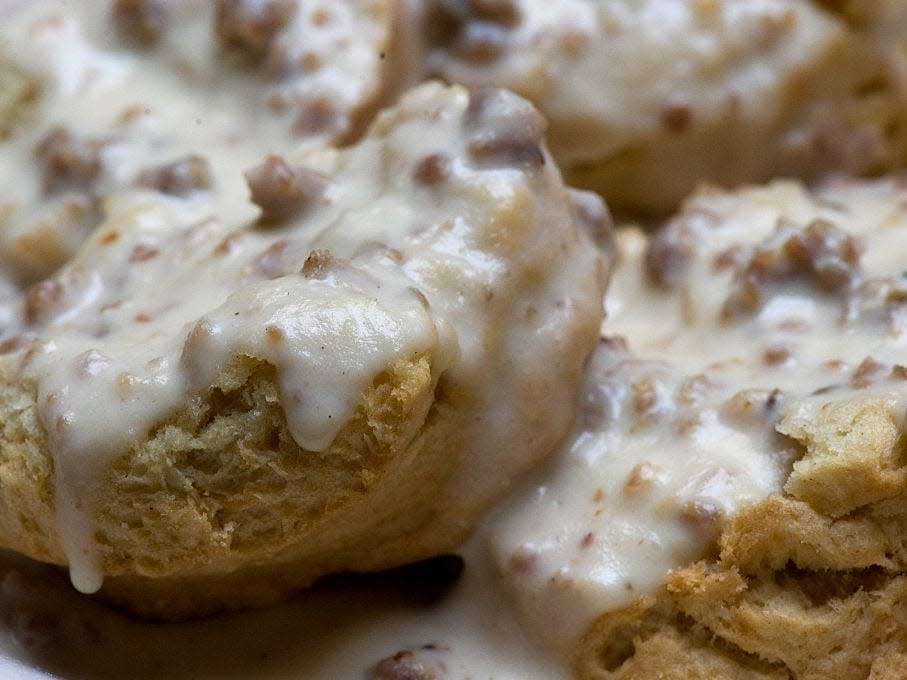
<point x="674" y="433"/>
<point x="647" y="98"/>
<point x="654" y="467"/>
<point x="683" y="427"/>
<point x="144" y="108"/>
<point x="702" y="54"/>
<point x="410" y="235"/>
<point x="9" y="304"/>
<point x="112" y="347"/>
<point x="158" y="301"/>
<point x="339" y="629"/>
<point x="160" y="288"/>
<point x="163" y="288"/>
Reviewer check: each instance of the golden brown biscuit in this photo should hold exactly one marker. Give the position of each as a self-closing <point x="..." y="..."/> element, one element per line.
<point x="732" y="503"/>
<point x="203" y="410"/>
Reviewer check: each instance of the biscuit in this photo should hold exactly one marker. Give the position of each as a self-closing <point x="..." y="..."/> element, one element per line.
<point x="203" y="410"/>
<point x="646" y="101"/>
<point x="174" y="96"/>
<point x="732" y="503"/>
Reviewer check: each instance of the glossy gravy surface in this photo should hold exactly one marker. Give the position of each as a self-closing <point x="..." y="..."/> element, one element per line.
<point x="676" y="426"/>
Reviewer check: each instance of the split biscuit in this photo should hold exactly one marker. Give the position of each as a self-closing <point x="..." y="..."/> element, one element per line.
<point x="201" y="410"/>
<point x="732" y="504"/>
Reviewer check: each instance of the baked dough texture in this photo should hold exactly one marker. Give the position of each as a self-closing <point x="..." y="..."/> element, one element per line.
<point x="210" y="411"/>
<point x="217" y="386"/>
<point x="782" y="309"/>
<point x="810" y="581"/>
<point x="647" y="99"/>
<point x="793" y="593"/>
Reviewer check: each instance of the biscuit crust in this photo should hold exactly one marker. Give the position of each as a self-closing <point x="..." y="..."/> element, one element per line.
<point x="227" y="497"/>
<point x="808" y="581"/>
<point x="794" y="592"/>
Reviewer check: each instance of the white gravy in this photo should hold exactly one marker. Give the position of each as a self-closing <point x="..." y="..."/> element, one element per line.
<point x="668" y="443"/>
<point x="679" y="430"/>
